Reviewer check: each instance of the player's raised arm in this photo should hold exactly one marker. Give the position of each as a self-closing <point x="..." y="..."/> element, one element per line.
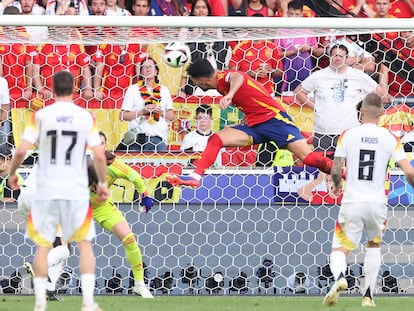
<point x="236" y="80"/>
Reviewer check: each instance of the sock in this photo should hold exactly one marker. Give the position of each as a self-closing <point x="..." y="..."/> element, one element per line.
<point x="338" y="264"/>
<point x="40" y="291"/>
<point x="209" y="155"/>
<point x="88" y="287"/>
<point x="56" y="258"/>
<point x="316" y="159"/>
<point x="134" y="256"/>
<point x="372" y="265"/>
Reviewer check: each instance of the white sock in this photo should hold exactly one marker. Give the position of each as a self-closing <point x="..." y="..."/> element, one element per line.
<point x="338" y="263"/>
<point x="39" y="285"/>
<point x="88" y="288"/>
<point x="139" y="283"/>
<point x="372" y="265"/>
<point x="56" y="258"/>
<point x="196" y="176"/>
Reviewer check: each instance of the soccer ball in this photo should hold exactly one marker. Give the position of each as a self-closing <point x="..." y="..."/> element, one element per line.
<point x="176" y="54"/>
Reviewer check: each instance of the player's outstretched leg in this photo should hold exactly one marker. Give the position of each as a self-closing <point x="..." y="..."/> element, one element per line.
<point x="332" y="296"/>
<point x="184" y="180"/>
<point x="208" y="157"/>
<point x="134" y="257"/>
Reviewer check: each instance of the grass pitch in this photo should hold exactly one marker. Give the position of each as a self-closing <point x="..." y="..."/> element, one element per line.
<point x="211" y="303"/>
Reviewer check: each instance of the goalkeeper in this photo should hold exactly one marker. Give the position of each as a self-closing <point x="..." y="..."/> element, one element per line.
<point x="111" y="218"/>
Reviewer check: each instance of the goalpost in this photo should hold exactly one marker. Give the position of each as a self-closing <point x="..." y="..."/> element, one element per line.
<point x="253" y="223"/>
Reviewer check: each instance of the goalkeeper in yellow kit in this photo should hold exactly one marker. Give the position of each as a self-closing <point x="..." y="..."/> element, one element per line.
<point x="110" y="217"/>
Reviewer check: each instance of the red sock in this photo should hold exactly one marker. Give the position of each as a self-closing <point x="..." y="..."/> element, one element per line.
<point x="316" y="159"/>
<point x="209" y="155"/>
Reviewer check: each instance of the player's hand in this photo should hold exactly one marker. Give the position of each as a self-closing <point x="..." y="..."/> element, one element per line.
<point x="225" y="101"/>
<point x="102" y="192"/>
<point x="99" y="95"/>
<point x="146" y="204"/>
<point x="46" y="93"/>
<point x="13" y="182"/>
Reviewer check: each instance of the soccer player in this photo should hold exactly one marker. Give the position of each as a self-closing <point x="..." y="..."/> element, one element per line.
<point x="62" y="131"/>
<point x="266" y="121"/>
<point x="366" y="150"/>
<point x="111" y="218"/>
<point x="57" y="256"/>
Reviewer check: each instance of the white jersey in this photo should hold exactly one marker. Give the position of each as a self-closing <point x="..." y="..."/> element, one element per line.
<point x="196" y="141"/>
<point x="367" y="150"/>
<point x="336" y="96"/>
<point x="133" y="102"/>
<point x="4" y="92"/>
<point x="62" y="130"/>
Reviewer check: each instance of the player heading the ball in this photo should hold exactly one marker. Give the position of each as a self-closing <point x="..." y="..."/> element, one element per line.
<point x="266" y="121"/>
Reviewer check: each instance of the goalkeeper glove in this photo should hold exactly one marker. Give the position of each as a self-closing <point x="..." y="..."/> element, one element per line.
<point x="146" y="203"/>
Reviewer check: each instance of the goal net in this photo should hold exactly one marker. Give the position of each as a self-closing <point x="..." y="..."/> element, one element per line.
<point x="260" y="223"/>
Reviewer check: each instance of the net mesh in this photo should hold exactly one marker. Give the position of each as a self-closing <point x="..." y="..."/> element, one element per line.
<point x="260" y="218"/>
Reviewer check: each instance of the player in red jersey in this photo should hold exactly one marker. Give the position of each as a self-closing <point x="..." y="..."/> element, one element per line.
<point x="265" y="120"/>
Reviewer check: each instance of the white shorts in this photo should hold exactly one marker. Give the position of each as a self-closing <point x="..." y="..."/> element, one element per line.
<point x="74" y="217"/>
<point x="24" y="204"/>
<point x="356" y="218"/>
<point x="25" y="200"/>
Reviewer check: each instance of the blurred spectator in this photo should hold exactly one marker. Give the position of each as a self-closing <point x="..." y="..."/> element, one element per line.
<point x="148" y="107"/>
<point x="260" y="59"/>
<point x="282" y="9"/>
<point x="98" y="7"/>
<point x="59" y="7"/>
<point x="116" y="67"/>
<point x="217" y="7"/>
<point x="216" y="51"/>
<point x="196" y="140"/>
<point x="357" y="56"/>
<point x="396" y="8"/>
<point x="36" y="10"/>
<point x="236" y="7"/>
<point x="337" y="90"/>
<point x="168" y="8"/>
<point x="116" y="8"/>
<point x="4" y="110"/>
<point x="52" y="58"/>
<point x="141" y="7"/>
<point x="258" y="7"/>
<point x="297" y="52"/>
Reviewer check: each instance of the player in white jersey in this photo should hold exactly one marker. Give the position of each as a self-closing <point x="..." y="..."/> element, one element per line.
<point x="62" y="132"/>
<point x="366" y="151"/>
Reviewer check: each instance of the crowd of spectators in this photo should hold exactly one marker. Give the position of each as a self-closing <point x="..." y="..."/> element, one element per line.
<point x="110" y="72"/>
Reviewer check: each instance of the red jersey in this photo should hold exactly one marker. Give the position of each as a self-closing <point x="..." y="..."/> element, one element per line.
<point x="15" y="57"/>
<point x="263" y="11"/>
<point x="250" y="55"/>
<point x="53" y="58"/>
<point x="399" y="86"/>
<point x="251" y="98"/>
<point x="120" y="63"/>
